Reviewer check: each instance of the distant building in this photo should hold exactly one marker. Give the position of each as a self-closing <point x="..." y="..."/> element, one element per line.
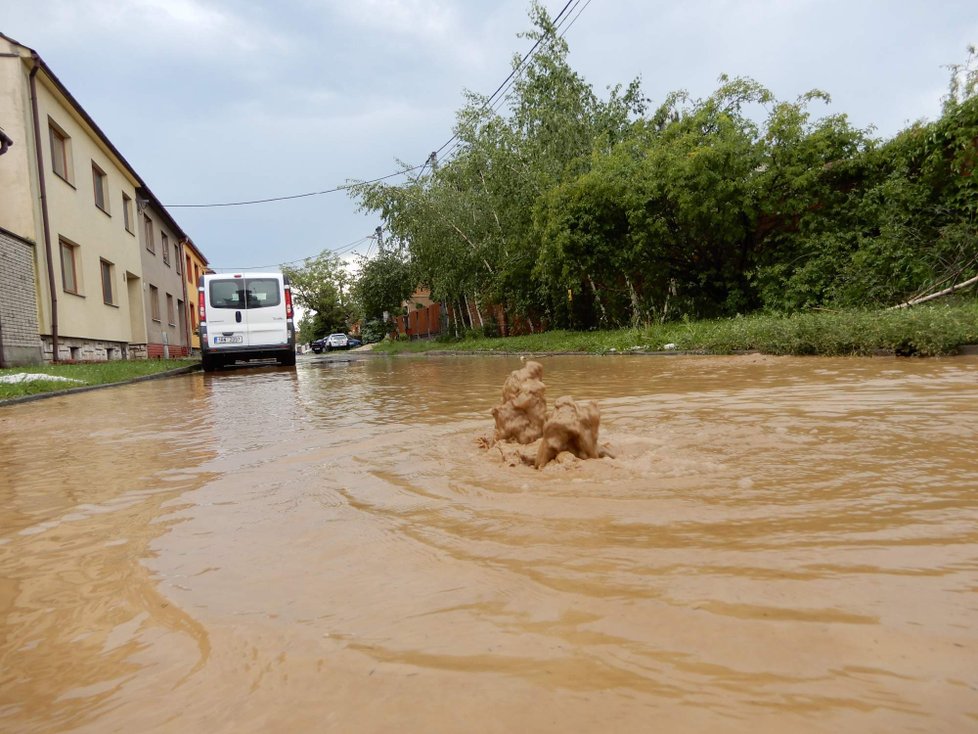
<point x="69" y="213"/>
<point x="195" y="265"/>
<point x="164" y="296"/>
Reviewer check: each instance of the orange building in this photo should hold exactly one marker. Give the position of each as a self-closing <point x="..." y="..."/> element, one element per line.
<point x="195" y="265"/>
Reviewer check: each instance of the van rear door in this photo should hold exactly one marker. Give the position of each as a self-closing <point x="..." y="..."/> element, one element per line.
<point x="227" y="324"/>
<point x="265" y="311"/>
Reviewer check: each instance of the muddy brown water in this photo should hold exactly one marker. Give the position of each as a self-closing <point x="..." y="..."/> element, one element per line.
<point x="780" y="545"/>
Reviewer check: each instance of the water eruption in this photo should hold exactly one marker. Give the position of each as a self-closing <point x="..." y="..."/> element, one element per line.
<point x="526" y="433"/>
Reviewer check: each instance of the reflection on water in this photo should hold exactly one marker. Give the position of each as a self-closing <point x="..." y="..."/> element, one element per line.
<point x="781" y="545"/>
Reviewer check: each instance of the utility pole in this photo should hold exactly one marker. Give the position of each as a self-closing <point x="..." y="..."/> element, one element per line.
<point x="433" y="161"/>
<point x="380" y="239"/>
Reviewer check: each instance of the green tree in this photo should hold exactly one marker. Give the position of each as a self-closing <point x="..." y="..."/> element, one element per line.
<point x="382" y="284"/>
<point x="468" y="223"/>
<point x="581" y="211"/>
<point x="661" y="223"/>
<point x="321" y="285"/>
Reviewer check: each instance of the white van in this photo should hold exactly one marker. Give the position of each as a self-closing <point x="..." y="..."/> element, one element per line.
<point x="244" y="317"/>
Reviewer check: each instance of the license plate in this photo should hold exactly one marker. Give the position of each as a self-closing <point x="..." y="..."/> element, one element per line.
<point x="228" y="339"/>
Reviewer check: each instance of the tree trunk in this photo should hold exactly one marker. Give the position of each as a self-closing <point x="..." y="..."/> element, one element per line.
<point x="468" y="311"/>
<point x="636" y="306"/>
<point x="670" y="292"/>
<point x="597" y="300"/>
<point x="474" y="248"/>
<point x="475" y="300"/>
<point x="939" y="294"/>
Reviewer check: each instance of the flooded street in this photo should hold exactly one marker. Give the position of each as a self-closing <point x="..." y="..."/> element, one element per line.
<point x="780" y="545"/>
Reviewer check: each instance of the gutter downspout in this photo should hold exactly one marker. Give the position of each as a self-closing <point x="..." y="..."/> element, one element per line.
<point x="44" y="208"/>
<point x="186" y="303"/>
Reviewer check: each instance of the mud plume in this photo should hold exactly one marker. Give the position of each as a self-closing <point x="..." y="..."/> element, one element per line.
<point x="526" y="434"/>
<point x="571" y="427"/>
<point x="521" y="415"/>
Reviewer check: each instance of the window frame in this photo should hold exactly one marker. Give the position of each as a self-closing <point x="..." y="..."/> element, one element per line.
<point x="177" y="258"/>
<point x="148" y="233"/>
<point x="165" y="247"/>
<point x="62" y="154"/>
<point x="154" y="303"/>
<point x="107" y="273"/>
<point x="170" y="314"/>
<point x="72" y="249"/>
<point x="127" y="212"/>
<point x="100" y="188"/>
<point x="181" y="316"/>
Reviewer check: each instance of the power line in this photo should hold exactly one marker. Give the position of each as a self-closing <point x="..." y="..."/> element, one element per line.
<point x="575" y="17"/>
<point x="293" y="196"/>
<point x="508" y="81"/>
<point x="507" y="85"/>
<point x="516" y="69"/>
<point x="341" y="250"/>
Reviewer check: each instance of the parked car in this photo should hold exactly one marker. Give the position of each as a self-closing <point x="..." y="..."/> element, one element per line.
<point x="337" y="341"/>
<point x="352" y="342"/>
<point x="318" y="345"/>
<point x="245" y="317"/>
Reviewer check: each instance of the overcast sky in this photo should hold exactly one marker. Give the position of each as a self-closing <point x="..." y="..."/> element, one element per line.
<point x="229" y="100"/>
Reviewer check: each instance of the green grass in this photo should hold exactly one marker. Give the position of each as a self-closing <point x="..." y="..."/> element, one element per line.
<point x="90" y="373"/>
<point x="925" y="331"/>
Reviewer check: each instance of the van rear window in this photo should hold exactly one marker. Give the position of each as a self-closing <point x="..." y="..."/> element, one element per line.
<point x="245" y="293"/>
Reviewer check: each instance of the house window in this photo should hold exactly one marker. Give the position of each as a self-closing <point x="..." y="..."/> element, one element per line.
<point x="170" y="318"/>
<point x="154" y="302"/>
<point x="165" y="246"/>
<point x="127" y="212"/>
<point x="176" y="258"/>
<point x="148" y="234"/>
<point x="69" y="267"/>
<point x="188" y="269"/>
<point x="107" y="295"/>
<point x="60" y="151"/>
<point x="100" y="184"/>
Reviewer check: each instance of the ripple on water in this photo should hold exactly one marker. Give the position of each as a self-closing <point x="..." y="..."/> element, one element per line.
<point x="778" y="544"/>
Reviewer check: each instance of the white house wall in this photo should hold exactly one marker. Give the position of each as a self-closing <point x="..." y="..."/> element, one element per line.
<point x="98" y="235"/>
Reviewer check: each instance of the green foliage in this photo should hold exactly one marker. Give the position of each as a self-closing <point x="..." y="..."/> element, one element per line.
<point x="383" y="283"/>
<point x="586" y="213"/>
<point x="963" y="84"/>
<point x="468" y="223"/>
<point x="373" y="330"/>
<point x="924" y="331"/>
<point x="321" y="285"/>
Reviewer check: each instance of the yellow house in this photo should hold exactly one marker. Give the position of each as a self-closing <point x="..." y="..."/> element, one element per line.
<point x="70" y="195"/>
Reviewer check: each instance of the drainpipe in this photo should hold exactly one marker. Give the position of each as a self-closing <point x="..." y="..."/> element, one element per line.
<point x="186" y="303"/>
<point x="44" y="208"/>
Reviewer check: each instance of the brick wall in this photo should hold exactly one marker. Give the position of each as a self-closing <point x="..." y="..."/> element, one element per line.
<point x="19" y="329"/>
<point x="155" y="351"/>
<point x="74" y="349"/>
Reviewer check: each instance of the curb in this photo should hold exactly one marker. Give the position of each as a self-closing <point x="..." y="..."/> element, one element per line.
<point x="89" y="388"/>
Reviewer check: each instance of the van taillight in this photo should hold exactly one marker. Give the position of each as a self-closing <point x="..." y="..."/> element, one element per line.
<point x="288" y="302"/>
<point x="202" y="312"/>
